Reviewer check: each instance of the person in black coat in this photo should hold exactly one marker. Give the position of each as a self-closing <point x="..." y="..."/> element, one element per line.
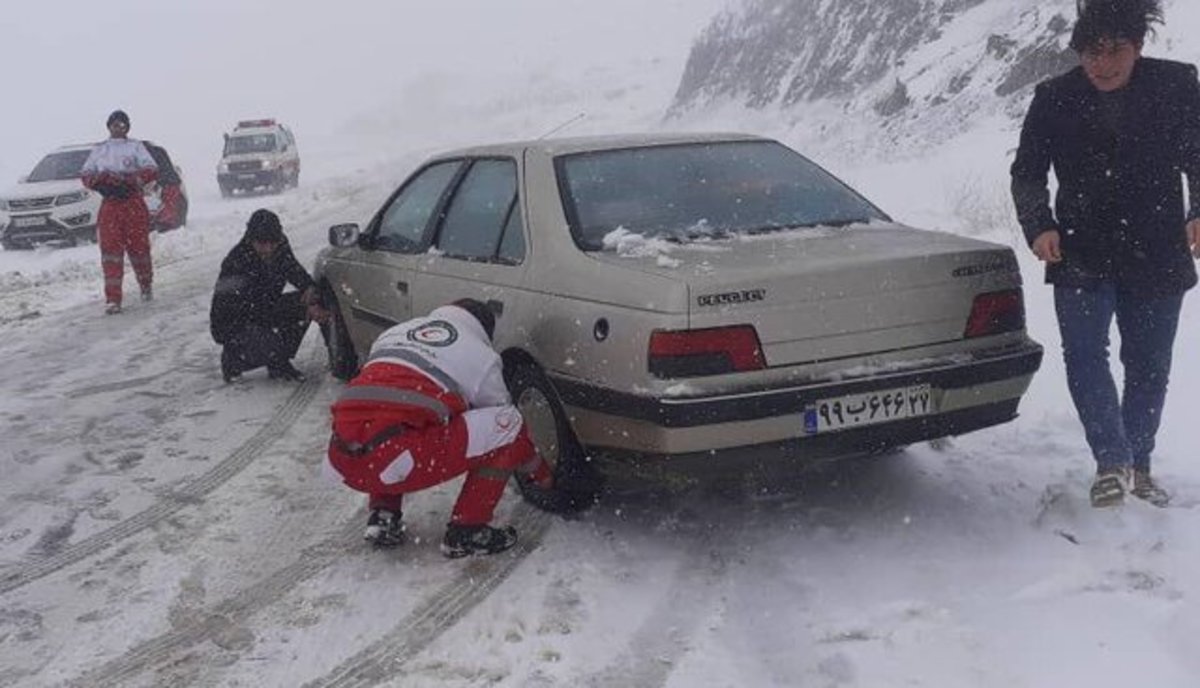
<point x="256" y="323"/>
<point x="1120" y="132"/>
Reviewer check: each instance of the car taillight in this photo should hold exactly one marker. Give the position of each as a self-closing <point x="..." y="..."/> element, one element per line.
<point x="692" y="353"/>
<point x="996" y="312"/>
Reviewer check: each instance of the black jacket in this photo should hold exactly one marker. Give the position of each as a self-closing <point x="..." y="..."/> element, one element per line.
<point x="249" y="288"/>
<point x="1119" y="159"/>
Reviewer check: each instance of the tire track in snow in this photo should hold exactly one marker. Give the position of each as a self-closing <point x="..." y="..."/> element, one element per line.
<point x="190" y="493"/>
<point x="474" y="582"/>
<point x="383" y="659"/>
<point x="119" y="385"/>
<point x="662" y="638"/>
<point x="229" y="613"/>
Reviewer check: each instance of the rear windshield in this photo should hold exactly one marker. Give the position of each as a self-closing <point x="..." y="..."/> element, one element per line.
<point x="702" y="191"/>
<point x="65" y="165"/>
<point x="254" y="143"/>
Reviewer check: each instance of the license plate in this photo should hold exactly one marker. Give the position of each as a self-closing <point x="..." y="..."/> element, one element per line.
<point x="247" y="176"/>
<point x="28" y="221"/>
<point x="868" y="408"/>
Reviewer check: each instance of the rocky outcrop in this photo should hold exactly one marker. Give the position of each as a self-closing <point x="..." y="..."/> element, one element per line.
<point x="877" y="57"/>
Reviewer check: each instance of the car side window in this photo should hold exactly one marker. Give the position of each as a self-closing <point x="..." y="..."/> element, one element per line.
<point x="403" y="222"/>
<point x="479" y="211"/>
<point x="512" y="244"/>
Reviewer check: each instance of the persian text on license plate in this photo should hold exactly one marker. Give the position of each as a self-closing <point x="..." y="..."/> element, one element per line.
<point x="868" y="408"/>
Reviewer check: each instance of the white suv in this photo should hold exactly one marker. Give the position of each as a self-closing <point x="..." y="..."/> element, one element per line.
<point x="258" y="154"/>
<point x="51" y="205"/>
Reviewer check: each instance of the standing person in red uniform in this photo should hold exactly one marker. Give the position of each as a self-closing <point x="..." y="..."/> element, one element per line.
<point x="429" y="406"/>
<point x="117" y="169"/>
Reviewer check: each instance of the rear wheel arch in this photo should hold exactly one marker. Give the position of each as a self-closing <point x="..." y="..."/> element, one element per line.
<point x="577" y="482"/>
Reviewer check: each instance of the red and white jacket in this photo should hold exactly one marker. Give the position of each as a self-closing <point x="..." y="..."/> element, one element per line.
<point x="119" y="168"/>
<point x="426" y="371"/>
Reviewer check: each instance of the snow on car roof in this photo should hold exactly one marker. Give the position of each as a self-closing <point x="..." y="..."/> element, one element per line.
<point x="75" y="146"/>
<point x="578" y="144"/>
<point x="254" y="131"/>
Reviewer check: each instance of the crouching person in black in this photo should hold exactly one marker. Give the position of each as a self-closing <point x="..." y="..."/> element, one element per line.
<point x="252" y="318"/>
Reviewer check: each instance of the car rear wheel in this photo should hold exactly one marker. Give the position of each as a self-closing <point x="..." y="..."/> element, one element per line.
<point x="576" y="482"/>
<point x="343" y="361"/>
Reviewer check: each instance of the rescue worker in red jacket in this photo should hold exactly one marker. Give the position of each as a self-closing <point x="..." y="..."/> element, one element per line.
<point x="429" y="405"/>
<point x="117" y="169"/>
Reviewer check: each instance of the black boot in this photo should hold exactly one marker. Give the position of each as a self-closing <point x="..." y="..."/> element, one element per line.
<point x="230" y="370"/>
<point x="461" y="541"/>
<point x="384" y="528"/>
<point x="285" y="371"/>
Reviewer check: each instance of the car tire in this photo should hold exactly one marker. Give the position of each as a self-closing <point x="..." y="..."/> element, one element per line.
<point x="577" y="483"/>
<point x="343" y="361"/>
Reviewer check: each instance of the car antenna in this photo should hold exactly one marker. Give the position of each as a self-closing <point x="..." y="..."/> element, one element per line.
<point x="564" y="125"/>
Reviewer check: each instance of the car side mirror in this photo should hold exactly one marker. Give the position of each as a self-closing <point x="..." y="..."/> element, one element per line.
<point x="344" y="235"/>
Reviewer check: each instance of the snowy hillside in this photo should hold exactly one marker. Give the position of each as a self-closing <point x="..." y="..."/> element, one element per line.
<point x="161" y="528"/>
<point x="922" y="71"/>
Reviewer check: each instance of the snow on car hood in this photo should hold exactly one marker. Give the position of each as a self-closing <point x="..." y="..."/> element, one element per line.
<point x="52" y="187"/>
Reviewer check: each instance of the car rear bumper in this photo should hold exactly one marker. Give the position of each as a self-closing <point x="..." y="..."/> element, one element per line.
<point x="965" y="395"/>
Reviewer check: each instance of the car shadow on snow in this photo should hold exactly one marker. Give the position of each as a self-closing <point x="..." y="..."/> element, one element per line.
<point x="917" y="485"/>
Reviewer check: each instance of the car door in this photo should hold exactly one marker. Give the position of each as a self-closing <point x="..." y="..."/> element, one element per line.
<point x="479" y="245"/>
<point x="377" y="288"/>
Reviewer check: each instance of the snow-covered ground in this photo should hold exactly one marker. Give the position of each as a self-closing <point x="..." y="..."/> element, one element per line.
<point x="161" y="528"/>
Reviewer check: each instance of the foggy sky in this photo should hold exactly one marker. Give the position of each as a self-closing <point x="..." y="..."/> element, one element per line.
<point x="186" y="70"/>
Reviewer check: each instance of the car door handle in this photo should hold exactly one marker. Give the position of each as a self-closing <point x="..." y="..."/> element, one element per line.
<point x="497" y="307"/>
<point x="402" y="287"/>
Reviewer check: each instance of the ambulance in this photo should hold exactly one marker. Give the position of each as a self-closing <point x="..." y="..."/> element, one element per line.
<point x="259" y="155"/>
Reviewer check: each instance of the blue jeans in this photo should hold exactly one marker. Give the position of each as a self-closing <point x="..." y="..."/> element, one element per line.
<point x="1120" y="431"/>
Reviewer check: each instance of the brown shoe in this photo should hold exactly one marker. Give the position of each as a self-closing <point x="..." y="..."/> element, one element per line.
<point x="1145" y="488"/>
<point x="1109" y="487"/>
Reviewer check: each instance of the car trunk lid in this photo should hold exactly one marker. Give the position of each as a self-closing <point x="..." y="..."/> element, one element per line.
<point x="823" y="294"/>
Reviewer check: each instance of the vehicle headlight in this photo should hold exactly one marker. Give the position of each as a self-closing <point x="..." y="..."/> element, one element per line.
<point x="222" y="167"/>
<point x="69" y="198"/>
<point x="268" y="164"/>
